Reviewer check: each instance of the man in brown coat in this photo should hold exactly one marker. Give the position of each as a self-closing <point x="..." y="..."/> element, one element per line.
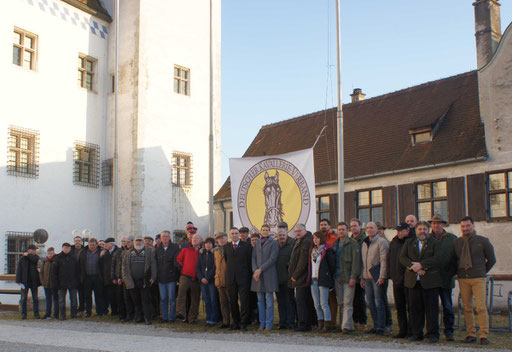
<point x="220" y="279"/>
<point x="298" y="271"/>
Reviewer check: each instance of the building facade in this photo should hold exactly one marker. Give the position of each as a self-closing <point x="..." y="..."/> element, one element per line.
<point x="440" y="147"/>
<point x="57" y="173"/>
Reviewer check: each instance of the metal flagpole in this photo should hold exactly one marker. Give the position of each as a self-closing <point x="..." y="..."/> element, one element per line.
<point x="339" y="115"/>
<point x="116" y="90"/>
<point x="210" y="188"/>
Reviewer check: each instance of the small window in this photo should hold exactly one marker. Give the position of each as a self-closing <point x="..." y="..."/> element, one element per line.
<point x="419" y="136"/>
<point x="17" y="243"/>
<point x="24" y="49"/>
<point x="107" y="172"/>
<point x="181" y="80"/>
<point x="369" y="205"/>
<point x="86" y="69"/>
<point x="86" y="164"/>
<point x="182" y="169"/>
<point x="23" y="152"/>
<point x="432" y="198"/>
<point x="500" y="195"/>
<point x="323" y="208"/>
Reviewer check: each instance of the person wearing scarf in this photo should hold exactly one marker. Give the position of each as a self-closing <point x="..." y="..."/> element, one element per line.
<point x="475" y="258"/>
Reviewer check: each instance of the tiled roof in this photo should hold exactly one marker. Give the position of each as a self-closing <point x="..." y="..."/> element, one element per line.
<point x="376" y="131"/>
<point x="93" y="7"/>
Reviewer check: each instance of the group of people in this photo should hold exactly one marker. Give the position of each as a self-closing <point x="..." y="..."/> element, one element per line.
<point x="315" y="278"/>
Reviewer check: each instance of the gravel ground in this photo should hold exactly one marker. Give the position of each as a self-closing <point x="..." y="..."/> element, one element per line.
<point x="79" y="335"/>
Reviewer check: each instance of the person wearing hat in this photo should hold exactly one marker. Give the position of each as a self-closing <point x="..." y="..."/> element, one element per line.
<point x="190" y="231"/>
<point x="244" y="234"/>
<point x="27" y="277"/>
<point x="158" y="239"/>
<point x="139" y="273"/>
<point x="396" y="273"/>
<point x="113" y="292"/>
<point x="448" y="271"/>
<point x="220" y="279"/>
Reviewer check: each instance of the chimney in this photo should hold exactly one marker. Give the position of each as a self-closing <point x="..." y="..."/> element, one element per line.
<point x="357" y="95"/>
<point x="487" y="30"/>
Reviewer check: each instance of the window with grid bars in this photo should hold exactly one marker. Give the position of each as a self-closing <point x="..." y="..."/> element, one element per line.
<point x="369" y="205"/>
<point x="17" y="243"/>
<point x="181" y="80"/>
<point x="323" y="208"/>
<point x="23" y="152"/>
<point x="86" y="164"/>
<point x="24" y="49"/>
<point x="431" y="198"/>
<point x="86" y="68"/>
<point x="500" y="194"/>
<point x="107" y="172"/>
<point x="182" y="169"/>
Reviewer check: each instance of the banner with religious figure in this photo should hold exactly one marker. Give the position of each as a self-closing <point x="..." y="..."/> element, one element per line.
<point x="272" y="189"/>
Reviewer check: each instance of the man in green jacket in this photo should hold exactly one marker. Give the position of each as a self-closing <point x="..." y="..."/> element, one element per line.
<point x="348" y="269"/>
<point x="420" y="257"/>
<point x="448" y="270"/>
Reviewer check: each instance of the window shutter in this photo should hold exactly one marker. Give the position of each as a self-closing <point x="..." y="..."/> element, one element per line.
<point x="333" y="206"/>
<point x="406" y="200"/>
<point x="477" y="205"/>
<point x="350" y="206"/>
<point x="456" y="199"/>
<point x="389" y="206"/>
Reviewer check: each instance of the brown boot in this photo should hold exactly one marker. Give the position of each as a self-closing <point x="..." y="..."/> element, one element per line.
<point x="320" y="325"/>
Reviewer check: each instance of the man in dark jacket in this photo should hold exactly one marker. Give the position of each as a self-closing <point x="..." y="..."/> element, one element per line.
<point x="448" y="270"/>
<point x="168" y="275"/>
<point x="66" y="275"/>
<point x="298" y="271"/>
<point x="475" y="258"/>
<point x="205" y="269"/>
<point x="112" y="292"/>
<point x="420" y="257"/>
<point x="360" y="316"/>
<point x="27" y="277"/>
<point x="91" y="277"/>
<point x="396" y="273"/>
<point x="76" y="248"/>
<point x="285" y="296"/>
<point x="238" y="256"/>
<point x="116" y="276"/>
<point x="51" y="291"/>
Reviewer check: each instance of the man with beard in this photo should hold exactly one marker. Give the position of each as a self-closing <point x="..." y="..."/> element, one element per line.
<point x="448" y="270"/>
<point x="139" y="273"/>
<point x="420" y="257"/>
<point x="360" y="317"/>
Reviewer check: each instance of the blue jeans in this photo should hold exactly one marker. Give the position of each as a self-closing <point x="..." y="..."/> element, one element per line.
<point x="35" y="301"/>
<point x="321" y="300"/>
<point x="376" y="302"/>
<point x="266" y="309"/>
<point x="168" y="300"/>
<point x="448" y="316"/>
<point x="52" y="295"/>
<point x="211" y="302"/>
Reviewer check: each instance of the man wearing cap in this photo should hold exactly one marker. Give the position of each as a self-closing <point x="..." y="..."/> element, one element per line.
<point x="112" y="291"/>
<point x="66" y="275"/>
<point x="190" y="231"/>
<point x="27" y="277"/>
<point x="154" y="291"/>
<point x="244" y="234"/>
<point x="448" y="271"/>
<point x="139" y="273"/>
<point x="220" y="279"/>
<point x="396" y="273"/>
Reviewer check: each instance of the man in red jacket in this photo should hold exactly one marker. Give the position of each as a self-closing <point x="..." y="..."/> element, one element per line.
<point x="188" y="281"/>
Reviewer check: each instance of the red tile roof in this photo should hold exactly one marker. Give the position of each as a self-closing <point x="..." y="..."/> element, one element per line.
<point x="376" y="131"/>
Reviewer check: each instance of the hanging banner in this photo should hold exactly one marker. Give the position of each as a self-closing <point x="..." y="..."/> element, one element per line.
<point x="272" y="189"/>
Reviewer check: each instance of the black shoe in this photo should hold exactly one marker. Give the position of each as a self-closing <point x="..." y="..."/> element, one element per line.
<point x="400" y="335"/>
<point x="23" y="317"/>
<point x="302" y="329"/>
<point x="433" y="339"/>
<point x="371" y="331"/>
<point x="469" y="339"/>
<point x="171" y="321"/>
<point x="346" y="331"/>
<point x="64" y="318"/>
<point x="234" y="327"/>
<point x="379" y="332"/>
<point x="127" y="319"/>
<point x="88" y="315"/>
<point x="37" y="317"/>
<point x="224" y="326"/>
<point x="449" y="337"/>
<point x="282" y="327"/>
<point x="484" y="341"/>
<point x="415" y="338"/>
<point x="243" y="327"/>
<point x="180" y="317"/>
<point x="162" y="321"/>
